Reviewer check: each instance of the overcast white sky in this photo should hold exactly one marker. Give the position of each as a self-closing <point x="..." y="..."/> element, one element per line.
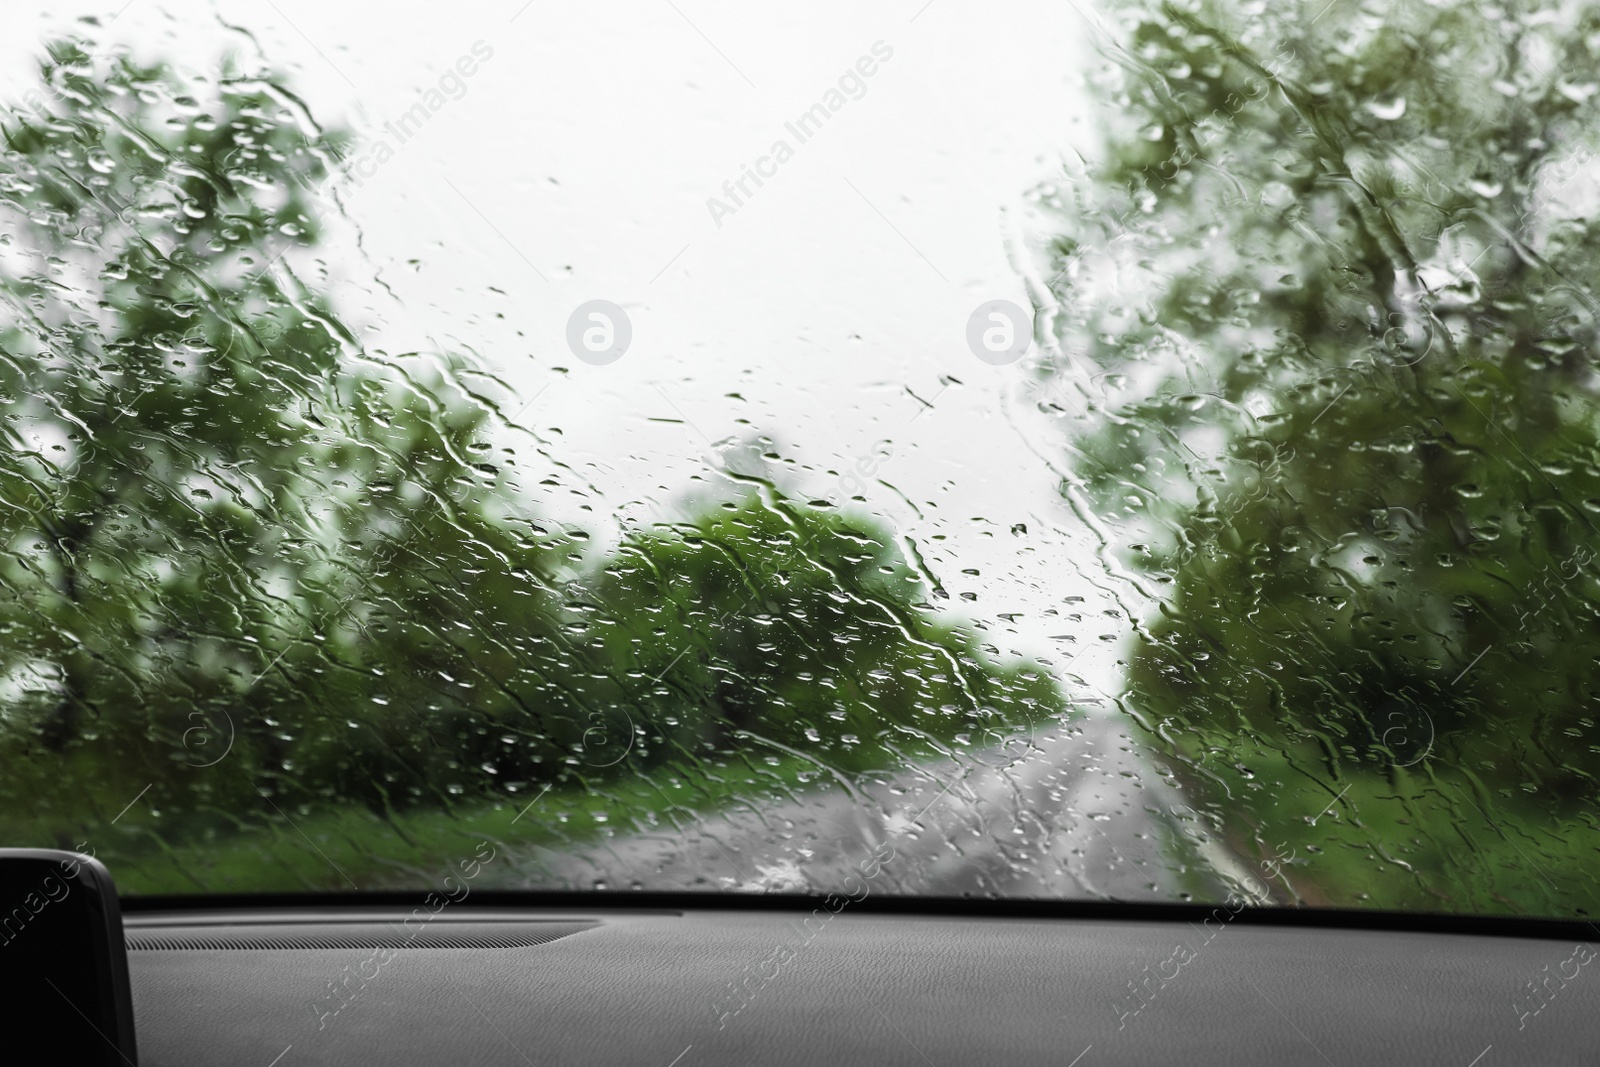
<point x="577" y="165"/>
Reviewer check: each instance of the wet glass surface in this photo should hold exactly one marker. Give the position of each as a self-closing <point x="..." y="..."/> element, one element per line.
<point x="703" y="449"/>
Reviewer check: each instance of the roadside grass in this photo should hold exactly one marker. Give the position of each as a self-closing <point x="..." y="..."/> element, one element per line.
<point x="1429" y="840"/>
<point x="1432" y="839"/>
<point x="343" y="847"/>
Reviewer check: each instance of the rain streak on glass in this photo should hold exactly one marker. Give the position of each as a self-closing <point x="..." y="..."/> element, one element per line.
<point x="1228" y="526"/>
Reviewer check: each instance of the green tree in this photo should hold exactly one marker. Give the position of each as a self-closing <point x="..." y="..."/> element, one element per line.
<point x="1328" y="293"/>
<point x="300" y="589"/>
<point x="790" y="632"/>
<point x="225" y="521"/>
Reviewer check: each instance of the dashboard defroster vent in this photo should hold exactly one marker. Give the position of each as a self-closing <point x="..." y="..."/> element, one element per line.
<point x="351" y="936"/>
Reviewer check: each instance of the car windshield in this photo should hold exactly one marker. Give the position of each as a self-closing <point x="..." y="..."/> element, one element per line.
<point x="1143" y="451"/>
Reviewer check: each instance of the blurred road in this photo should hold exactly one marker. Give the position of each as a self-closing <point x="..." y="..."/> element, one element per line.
<point x="1074" y="813"/>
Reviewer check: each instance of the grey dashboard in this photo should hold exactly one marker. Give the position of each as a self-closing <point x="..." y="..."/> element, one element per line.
<point x="697" y="987"/>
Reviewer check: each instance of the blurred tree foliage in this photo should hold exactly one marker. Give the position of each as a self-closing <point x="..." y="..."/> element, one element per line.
<point x="1329" y="332"/>
<point x="225" y="521"/>
<point x="795" y="629"/>
<point x="255" y="565"/>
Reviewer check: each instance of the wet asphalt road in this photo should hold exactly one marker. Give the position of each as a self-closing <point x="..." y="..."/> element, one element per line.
<point x="1075" y="813"/>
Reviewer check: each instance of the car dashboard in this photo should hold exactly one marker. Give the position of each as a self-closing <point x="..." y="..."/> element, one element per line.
<point x="672" y="983"/>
